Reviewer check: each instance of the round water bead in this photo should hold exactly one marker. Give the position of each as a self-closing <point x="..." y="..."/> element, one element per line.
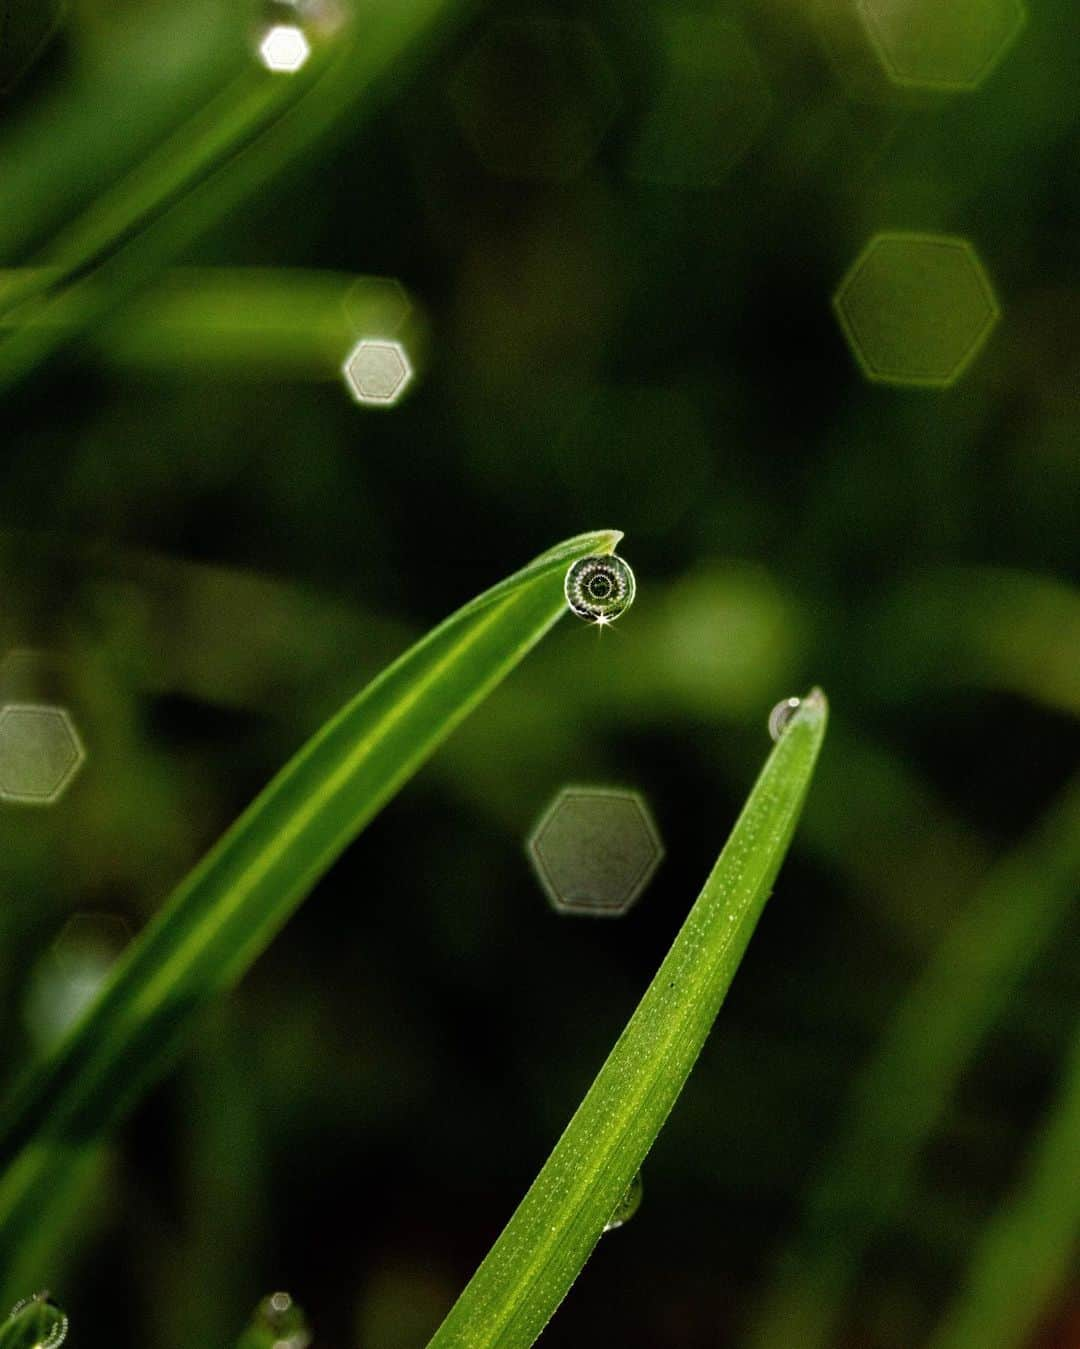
<point x="35" y="1323"/>
<point x="599" y="589"/>
<point x="627" y="1206"/>
<point x="781" y="715"/>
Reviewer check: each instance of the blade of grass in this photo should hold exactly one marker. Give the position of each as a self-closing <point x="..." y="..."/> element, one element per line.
<point x="1025" y="1255"/>
<point x="902" y="1092"/>
<point x="235" y="900"/>
<point x="544" y="1246"/>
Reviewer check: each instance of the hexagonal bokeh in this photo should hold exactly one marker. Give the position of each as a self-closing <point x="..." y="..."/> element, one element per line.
<point x="69" y="975"/>
<point x="594" y="850"/>
<point x="929" y="44"/>
<point x="916" y="308"/>
<point x="535" y="96"/>
<point x="376" y="306"/>
<point x="377" y="373"/>
<point x="40" y="753"/>
<point x="284" y="49"/>
<point x="708" y="103"/>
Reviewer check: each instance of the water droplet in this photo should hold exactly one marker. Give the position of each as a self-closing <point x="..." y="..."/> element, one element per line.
<point x="35" y="1323"/>
<point x="627" y="1206"/>
<point x="781" y="715"/>
<point x="599" y="589"/>
<point x="278" y="1323"/>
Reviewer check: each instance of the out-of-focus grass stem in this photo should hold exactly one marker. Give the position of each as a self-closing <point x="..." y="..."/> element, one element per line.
<point x="1025" y="1253"/>
<point x="903" y="1091"/>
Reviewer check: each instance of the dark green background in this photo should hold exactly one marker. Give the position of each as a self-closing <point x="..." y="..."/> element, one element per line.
<point x="213" y="556"/>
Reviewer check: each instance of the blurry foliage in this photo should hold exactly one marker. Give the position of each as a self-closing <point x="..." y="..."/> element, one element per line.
<point x="210" y="546"/>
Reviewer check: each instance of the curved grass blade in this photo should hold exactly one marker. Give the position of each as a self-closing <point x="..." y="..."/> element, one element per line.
<point x="547" y="1241"/>
<point x="235" y="900"/>
<point x="1025" y="1256"/>
<point x="903" y="1090"/>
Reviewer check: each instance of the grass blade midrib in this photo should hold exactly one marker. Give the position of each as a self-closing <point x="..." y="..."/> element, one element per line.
<point x="219" y="918"/>
<point x="280" y="841"/>
<point x="534" y="1260"/>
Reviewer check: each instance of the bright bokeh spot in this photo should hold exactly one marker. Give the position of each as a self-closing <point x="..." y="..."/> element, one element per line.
<point x="594" y="850"/>
<point x="40" y="753"/>
<point x="377" y="373"/>
<point x="535" y="97"/>
<point x="284" y="49"/>
<point x="916" y="308"/>
<point x="708" y="103"/>
<point x="940" y="44"/>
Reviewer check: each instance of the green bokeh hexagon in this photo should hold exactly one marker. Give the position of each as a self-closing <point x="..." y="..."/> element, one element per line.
<point x="916" y="308"/>
<point x="941" y="44"/>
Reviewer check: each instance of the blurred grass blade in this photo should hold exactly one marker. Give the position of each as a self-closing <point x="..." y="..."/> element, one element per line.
<point x="903" y="1091"/>
<point x="223" y="125"/>
<point x="231" y="905"/>
<point x="1027" y="1252"/>
<point x="990" y="627"/>
<point x="547" y="1241"/>
<point x="25" y="29"/>
<point x="259" y="322"/>
<point x="255" y="127"/>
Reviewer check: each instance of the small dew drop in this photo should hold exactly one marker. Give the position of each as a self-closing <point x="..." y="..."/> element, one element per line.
<point x="599" y="589"/>
<point x="35" y="1323"/>
<point x="278" y="1323"/>
<point x="627" y="1206"/>
<point x="781" y="715"/>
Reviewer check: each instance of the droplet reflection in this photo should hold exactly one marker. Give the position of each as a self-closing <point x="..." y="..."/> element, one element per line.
<point x="627" y="1206"/>
<point x="35" y="1323"/>
<point x="599" y="589"/>
<point x="781" y="715"/>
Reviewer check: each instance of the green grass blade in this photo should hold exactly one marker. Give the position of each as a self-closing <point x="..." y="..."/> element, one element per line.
<point x="902" y="1092"/>
<point x="1026" y="1254"/>
<point x="547" y="1241"/>
<point x="234" y="901"/>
